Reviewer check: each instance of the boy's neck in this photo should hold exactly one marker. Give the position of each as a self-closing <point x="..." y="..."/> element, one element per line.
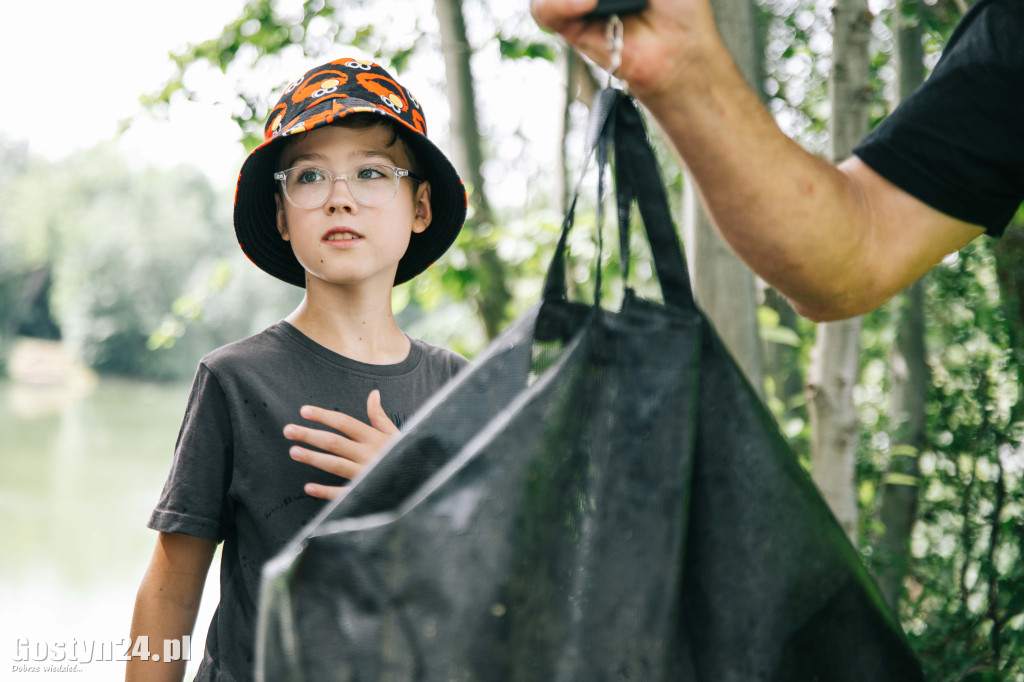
<point x="361" y="328"/>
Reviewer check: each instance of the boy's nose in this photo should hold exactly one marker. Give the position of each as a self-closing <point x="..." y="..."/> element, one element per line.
<point x="341" y="197"/>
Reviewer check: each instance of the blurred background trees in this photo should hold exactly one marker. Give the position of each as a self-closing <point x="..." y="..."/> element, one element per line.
<point x="116" y="261"/>
<point x="137" y="271"/>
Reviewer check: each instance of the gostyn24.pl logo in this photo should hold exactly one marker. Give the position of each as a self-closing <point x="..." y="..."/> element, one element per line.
<point x="31" y="653"/>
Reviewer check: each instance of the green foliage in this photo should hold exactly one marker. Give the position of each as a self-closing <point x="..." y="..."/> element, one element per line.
<point x="267" y="32"/>
<point x="962" y="608"/>
<point x="968" y="545"/>
<point x="797" y="60"/>
<point x="125" y="249"/>
<point x="517" y="48"/>
<point x="15" y="271"/>
<point x="107" y="279"/>
<point x="797" y="47"/>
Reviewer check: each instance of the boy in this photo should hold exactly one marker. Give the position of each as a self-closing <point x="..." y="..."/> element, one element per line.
<point x="346" y="197"/>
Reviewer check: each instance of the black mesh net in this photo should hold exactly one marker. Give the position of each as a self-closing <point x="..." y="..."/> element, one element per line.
<point x="599" y="496"/>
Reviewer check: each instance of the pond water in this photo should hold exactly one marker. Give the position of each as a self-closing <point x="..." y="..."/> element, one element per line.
<point x="80" y="471"/>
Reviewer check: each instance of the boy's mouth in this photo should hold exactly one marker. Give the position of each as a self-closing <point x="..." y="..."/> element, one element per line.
<point x="339" y="234"/>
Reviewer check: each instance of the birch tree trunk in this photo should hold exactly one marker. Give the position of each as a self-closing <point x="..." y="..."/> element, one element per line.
<point x="910" y="373"/>
<point x="494" y="294"/>
<point x="723" y="286"/>
<point x="834" y="365"/>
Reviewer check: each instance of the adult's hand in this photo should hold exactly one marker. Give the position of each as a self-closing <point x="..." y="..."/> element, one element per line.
<point x="663" y="46"/>
<point x="344" y="450"/>
<point x="836" y="242"/>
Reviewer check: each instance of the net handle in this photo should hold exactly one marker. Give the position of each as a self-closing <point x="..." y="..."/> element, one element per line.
<point x="616" y="121"/>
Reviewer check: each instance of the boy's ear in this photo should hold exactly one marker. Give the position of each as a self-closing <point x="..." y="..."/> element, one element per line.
<point x="282" y="224"/>
<point x="421" y="204"/>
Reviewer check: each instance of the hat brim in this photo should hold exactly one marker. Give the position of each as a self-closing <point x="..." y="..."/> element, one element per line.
<point x="255" y="214"/>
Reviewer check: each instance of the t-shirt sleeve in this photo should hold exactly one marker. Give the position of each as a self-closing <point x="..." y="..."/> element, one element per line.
<point x="957" y="143"/>
<point x="194" y="498"/>
<point x="458" y="363"/>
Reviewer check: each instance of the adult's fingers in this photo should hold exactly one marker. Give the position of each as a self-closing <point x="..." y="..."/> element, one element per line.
<point x="554" y="14"/>
<point x="589" y="36"/>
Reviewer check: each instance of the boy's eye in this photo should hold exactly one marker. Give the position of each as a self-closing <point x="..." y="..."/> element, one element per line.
<point x="371" y="172"/>
<point x="311" y="175"/>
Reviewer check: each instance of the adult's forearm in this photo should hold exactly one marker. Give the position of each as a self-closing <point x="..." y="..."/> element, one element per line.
<point x="836" y="241"/>
<point x="795" y="219"/>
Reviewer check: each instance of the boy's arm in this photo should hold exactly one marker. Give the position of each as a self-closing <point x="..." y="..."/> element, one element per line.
<point x="168" y="601"/>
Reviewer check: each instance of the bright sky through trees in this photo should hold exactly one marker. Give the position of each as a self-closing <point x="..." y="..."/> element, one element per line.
<point x="73" y="70"/>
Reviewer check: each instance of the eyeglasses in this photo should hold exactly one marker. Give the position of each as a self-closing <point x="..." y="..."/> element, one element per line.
<point x="372" y="185"/>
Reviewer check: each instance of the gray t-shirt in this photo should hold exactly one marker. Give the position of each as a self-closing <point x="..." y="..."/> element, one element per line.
<point x="232" y="479"/>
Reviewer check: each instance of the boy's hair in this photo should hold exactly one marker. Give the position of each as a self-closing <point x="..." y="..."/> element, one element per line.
<point x="329" y="94"/>
<point x="366" y="122"/>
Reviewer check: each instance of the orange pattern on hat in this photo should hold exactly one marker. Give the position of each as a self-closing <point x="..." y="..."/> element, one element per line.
<point x="418" y="121"/>
<point x="393" y="96"/>
<point x="337" y="107"/>
<point x="331" y="79"/>
<point x="274" y="120"/>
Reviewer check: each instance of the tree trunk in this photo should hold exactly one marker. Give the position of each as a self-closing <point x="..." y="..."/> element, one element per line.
<point x="899" y="493"/>
<point x="580" y="86"/>
<point x="724" y="287"/>
<point x="834" y="366"/>
<point x="910" y="374"/>
<point x="34" y="285"/>
<point x="565" y="180"/>
<point x="781" y="362"/>
<point x="834" y="426"/>
<point x="494" y="296"/>
<point x="1009" y="253"/>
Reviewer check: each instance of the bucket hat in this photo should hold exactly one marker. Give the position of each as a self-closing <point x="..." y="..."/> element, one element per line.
<point x="325" y="95"/>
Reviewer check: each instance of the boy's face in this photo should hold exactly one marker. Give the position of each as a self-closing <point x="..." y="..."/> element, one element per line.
<point x="344" y="242"/>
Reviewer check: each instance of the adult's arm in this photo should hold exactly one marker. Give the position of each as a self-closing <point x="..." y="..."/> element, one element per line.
<point x="837" y="241"/>
<point x="168" y="602"/>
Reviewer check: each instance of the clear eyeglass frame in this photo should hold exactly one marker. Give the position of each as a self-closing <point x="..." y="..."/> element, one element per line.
<point x="374" y="191"/>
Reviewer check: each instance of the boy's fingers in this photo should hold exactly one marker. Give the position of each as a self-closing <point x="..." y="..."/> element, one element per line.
<point x="331" y="464"/>
<point x="378" y="417"/>
<point x="339" y="421"/>
<point x="324" y="492"/>
<point x="323" y="440"/>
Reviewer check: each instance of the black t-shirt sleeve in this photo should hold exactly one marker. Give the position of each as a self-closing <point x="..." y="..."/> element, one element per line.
<point x="957" y="143"/>
<point x="194" y="498"/>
